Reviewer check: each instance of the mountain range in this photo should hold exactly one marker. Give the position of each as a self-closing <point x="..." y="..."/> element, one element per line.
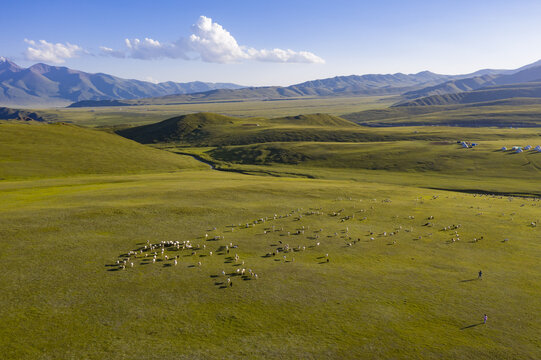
<point x="45" y="85"/>
<point x="407" y="86"/>
<point x="527" y="73"/>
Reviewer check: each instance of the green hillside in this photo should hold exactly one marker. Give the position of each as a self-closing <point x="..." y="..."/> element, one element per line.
<point x="515" y="112"/>
<point x="188" y="128"/>
<point x="207" y="129"/>
<point x="57" y="150"/>
<point x="492" y="93"/>
<point x="444" y="157"/>
<point x="396" y="284"/>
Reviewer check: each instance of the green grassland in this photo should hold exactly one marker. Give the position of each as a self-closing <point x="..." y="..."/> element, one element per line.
<point x="445" y="157"/>
<point x="61" y="150"/>
<point x="427" y="164"/>
<point x="396" y="296"/>
<point x="146" y="114"/>
<point x="391" y="209"/>
<point x="514" y="112"/>
<point x="207" y="129"/>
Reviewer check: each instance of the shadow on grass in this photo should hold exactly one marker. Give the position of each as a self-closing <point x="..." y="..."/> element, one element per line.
<point x="471" y="326"/>
<point x="468" y="280"/>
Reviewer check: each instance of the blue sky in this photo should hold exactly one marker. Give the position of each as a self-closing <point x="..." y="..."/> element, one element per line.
<point x="271" y="42"/>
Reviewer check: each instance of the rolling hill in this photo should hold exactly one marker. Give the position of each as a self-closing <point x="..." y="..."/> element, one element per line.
<point x="486" y="94"/>
<point x="15" y="114"/>
<point x="528" y="73"/>
<point x="45" y="85"/>
<point x="512" y="112"/>
<point x="60" y="150"/>
<point x="207" y="129"/>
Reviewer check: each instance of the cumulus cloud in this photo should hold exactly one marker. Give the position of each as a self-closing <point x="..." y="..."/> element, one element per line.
<point x="213" y="43"/>
<point x="209" y="42"/>
<point x="53" y="53"/>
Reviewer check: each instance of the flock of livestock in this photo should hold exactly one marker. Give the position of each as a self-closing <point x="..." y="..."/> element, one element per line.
<point x="284" y="247"/>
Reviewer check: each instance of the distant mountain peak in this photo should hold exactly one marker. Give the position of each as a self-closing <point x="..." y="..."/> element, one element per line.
<point x="43" y="84"/>
<point x="6" y="64"/>
<point x="43" y="68"/>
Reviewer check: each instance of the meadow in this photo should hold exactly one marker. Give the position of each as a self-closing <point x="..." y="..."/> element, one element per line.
<point x="146" y="114"/>
<point x="362" y="249"/>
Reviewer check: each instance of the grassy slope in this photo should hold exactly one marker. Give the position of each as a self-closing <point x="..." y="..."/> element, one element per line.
<point x="407" y="156"/>
<point x="421" y="156"/>
<point x="504" y="113"/>
<point x="491" y="93"/>
<point x="66" y="150"/>
<point x="140" y="115"/>
<point x="407" y="300"/>
<point x="206" y="129"/>
<point x="62" y="299"/>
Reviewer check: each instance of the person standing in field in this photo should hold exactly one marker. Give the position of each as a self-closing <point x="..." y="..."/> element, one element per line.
<point x="485" y="319"/>
<point x="480" y="277"/>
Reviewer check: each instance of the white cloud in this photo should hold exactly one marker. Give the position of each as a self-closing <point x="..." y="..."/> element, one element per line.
<point x="279" y="55"/>
<point x="53" y="53"/>
<point x="111" y="52"/>
<point x="147" y="49"/>
<point x="209" y="42"/>
<point x="213" y="43"/>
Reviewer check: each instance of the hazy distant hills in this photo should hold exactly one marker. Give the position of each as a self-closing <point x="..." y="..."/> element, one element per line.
<point x="44" y="85"/>
<point x="353" y="85"/>
<point x="528" y="73"/>
<point x="409" y="86"/>
<point x="486" y="94"/>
